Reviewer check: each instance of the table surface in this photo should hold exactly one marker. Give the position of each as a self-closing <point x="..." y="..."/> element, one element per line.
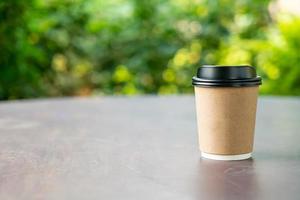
<point x="140" y="148"/>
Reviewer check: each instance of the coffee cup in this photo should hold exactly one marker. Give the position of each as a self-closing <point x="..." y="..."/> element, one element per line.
<point x="226" y="100"/>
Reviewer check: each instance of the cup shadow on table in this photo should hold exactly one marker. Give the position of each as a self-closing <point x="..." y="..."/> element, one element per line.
<point x="227" y="180"/>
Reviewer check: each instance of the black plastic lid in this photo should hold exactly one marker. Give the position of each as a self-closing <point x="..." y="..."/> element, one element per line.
<point x="226" y="76"/>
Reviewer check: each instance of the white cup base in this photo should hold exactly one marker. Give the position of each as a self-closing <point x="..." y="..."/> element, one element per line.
<point x="226" y="157"/>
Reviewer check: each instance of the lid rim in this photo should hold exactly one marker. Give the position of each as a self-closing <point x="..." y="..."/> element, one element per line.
<point x="223" y="86"/>
<point x="197" y="79"/>
<point x="235" y="84"/>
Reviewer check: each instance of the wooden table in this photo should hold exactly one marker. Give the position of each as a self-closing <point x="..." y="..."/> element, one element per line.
<point x="140" y="148"/>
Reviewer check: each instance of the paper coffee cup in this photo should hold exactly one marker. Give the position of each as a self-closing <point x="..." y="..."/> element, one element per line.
<point x="226" y="99"/>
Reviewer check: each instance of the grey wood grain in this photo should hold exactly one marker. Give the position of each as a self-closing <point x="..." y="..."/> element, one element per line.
<point x="140" y="148"/>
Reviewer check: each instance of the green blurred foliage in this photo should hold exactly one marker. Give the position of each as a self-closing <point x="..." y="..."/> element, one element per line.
<point x="77" y="47"/>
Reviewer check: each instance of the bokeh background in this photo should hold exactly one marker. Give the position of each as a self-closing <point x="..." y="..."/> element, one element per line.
<point x="104" y="47"/>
